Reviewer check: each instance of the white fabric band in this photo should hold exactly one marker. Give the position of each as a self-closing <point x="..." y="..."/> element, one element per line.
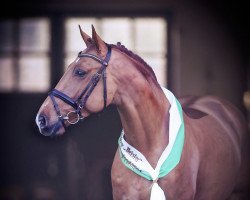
<point x="137" y="160"/>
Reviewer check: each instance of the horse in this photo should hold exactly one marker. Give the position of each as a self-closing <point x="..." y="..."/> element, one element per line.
<point x="209" y="161"/>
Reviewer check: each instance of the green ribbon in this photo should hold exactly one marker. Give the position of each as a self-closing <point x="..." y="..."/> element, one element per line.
<point x="173" y="158"/>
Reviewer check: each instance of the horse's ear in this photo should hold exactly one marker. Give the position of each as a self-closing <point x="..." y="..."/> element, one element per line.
<point x="86" y="38"/>
<point x="101" y="46"/>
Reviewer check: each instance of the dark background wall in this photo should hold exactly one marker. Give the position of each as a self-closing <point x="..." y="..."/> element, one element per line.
<point x="208" y="54"/>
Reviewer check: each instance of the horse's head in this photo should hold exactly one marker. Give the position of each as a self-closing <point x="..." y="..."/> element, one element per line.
<point x="81" y="91"/>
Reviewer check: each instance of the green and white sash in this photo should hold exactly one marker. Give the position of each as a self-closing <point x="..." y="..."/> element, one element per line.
<point x="135" y="161"/>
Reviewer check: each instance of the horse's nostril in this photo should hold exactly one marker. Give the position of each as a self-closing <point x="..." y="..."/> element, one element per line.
<point x="42" y="121"/>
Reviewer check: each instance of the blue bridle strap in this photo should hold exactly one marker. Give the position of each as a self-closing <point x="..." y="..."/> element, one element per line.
<point x="64" y="97"/>
<point x="83" y="97"/>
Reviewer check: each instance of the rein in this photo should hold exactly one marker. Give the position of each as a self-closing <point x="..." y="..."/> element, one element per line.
<point x="74" y="116"/>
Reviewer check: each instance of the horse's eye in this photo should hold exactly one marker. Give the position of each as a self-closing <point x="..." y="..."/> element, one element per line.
<point x="79" y="72"/>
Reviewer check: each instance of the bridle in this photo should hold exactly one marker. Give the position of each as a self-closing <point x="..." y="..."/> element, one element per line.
<point x="74" y="116"/>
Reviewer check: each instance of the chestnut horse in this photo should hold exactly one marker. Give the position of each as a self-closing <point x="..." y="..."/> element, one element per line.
<point x="211" y="164"/>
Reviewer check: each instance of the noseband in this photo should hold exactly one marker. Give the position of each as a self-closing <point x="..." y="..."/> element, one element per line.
<point x="74" y="116"/>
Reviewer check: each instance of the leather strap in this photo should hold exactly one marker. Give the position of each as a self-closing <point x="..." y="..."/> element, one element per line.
<point x="85" y="94"/>
<point x="95" y="79"/>
<point x="64" y="97"/>
<point x="56" y="107"/>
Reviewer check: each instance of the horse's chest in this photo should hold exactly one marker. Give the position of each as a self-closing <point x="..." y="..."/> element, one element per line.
<point x="127" y="185"/>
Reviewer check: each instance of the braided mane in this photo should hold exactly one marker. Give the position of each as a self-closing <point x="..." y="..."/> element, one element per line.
<point x="144" y="68"/>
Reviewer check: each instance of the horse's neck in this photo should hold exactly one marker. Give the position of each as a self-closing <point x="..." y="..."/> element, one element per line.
<point x="143" y="110"/>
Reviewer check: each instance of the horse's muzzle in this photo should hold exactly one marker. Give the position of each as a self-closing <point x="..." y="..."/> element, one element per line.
<point x="46" y="129"/>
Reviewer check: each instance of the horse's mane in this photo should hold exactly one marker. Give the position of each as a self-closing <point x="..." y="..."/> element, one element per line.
<point x="144" y="68"/>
